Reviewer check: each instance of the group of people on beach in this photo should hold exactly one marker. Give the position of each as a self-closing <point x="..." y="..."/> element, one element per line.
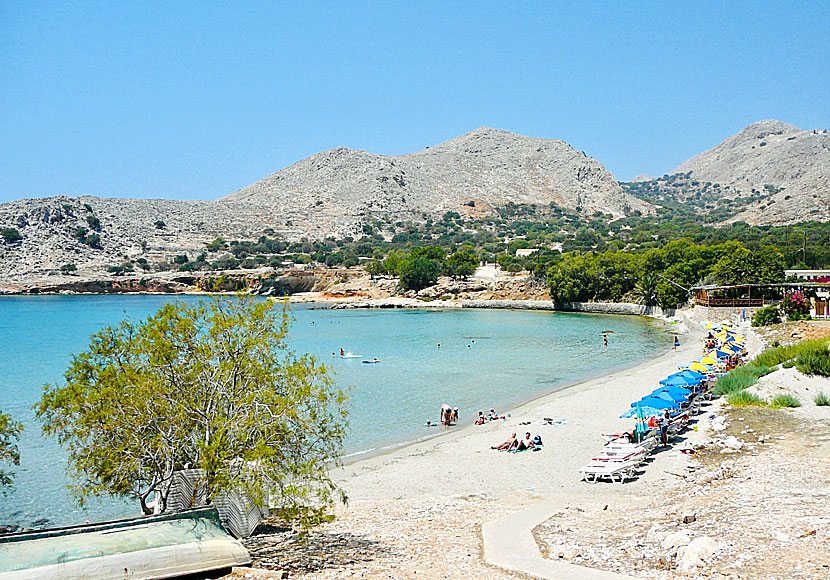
<point x="514" y="444"/>
<point x="493" y="416"/>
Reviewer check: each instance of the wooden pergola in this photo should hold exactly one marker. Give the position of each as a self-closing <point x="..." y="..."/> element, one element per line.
<point x="747" y="295"/>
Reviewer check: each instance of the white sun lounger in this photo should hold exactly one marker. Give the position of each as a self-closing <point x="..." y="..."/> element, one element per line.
<point x="612" y="470"/>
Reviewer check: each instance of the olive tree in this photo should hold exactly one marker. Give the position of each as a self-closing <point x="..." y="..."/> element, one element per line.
<point x="212" y="386"/>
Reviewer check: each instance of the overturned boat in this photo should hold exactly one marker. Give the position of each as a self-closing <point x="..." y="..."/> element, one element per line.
<point x="143" y="548"/>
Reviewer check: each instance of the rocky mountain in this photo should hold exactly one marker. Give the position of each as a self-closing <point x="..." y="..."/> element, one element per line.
<point x="785" y="169"/>
<point x="333" y="193"/>
<point x="334" y="190"/>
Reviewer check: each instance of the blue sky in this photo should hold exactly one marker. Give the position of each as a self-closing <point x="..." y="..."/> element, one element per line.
<point x="196" y="100"/>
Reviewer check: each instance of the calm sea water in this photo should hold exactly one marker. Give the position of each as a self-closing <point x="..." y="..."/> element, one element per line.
<point x="487" y="358"/>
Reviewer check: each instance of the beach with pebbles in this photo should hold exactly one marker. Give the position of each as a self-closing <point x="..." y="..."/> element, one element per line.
<point x="740" y="494"/>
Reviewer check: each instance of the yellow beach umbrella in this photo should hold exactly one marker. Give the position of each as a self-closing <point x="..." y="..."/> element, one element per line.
<point x="708" y="360"/>
<point x="698" y="367"/>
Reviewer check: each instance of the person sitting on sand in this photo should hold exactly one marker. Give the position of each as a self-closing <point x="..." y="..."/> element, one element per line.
<point x="507" y="445"/>
<point x="526" y="443"/>
<point x="493" y="416"/>
<point x="481" y="419"/>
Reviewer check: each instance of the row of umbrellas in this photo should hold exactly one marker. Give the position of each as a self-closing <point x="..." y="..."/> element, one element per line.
<point x="678" y="387"/>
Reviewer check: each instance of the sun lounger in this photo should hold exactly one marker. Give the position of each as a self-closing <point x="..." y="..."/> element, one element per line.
<point x="611" y="470"/>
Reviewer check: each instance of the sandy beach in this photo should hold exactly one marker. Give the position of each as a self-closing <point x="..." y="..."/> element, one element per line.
<point x="460" y="462"/>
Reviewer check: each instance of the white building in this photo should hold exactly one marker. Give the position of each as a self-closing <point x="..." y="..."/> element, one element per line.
<point x="807" y="274"/>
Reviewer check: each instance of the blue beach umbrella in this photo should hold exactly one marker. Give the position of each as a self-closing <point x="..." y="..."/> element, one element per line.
<point x="650" y="401"/>
<point x="645" y="412"/>
<point x="720" y="353"/>
<point x="673" y="397"/>
<point x="674" y="391"/>
<point x="680" y="381"/>
<point x="689" y="373"/>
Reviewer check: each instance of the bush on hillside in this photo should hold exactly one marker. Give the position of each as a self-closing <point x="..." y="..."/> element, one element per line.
<point x="10" y="235"/>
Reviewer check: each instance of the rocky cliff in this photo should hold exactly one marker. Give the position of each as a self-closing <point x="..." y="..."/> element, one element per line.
<point x="787" y="167"/>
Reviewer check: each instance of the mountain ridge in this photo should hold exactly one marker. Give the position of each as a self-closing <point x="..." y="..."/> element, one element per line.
<point x="788" y="165"/>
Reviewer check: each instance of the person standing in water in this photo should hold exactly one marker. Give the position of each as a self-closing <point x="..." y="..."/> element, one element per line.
<point x="605" y="339"/>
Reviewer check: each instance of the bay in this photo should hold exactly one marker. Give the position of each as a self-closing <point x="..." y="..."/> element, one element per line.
<point x="486" y="358"/>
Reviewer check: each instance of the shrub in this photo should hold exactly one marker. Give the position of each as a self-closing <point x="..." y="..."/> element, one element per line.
<point x="143" y="263"/>
<point x="822" y="400"/>
<point x="93" y="241"/>
<point x="744" y="399"/>
<point x="93" y="222"/>
<point x="815" y="361"/>
<point x="779" y="354"/>
<point x="795" y="305"/>
<point x="180" y="259"/>
<point x="10" y="235"/>
<point x="120" y="268"/>
<point x="160" y="225"/>
<point x="784" y="401"/>
<point x="68" y="269"/>
<point x="740" y="378"/>
<point x="766" y="316"/>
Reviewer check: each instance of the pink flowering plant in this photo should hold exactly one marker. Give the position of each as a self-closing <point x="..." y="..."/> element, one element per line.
<point x="795" y="305"/>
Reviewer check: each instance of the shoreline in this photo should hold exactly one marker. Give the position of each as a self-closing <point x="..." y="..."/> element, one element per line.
<point x="460" y="462"/>
<point x="358" y="456"/>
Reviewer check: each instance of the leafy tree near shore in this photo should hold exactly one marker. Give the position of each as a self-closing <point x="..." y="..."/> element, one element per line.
<point x="9" y="455"/>
<point x="211" y="385"/>
<point x="419" y="272"/>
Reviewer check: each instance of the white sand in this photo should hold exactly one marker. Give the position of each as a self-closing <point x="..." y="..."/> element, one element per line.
<point x="462" y="463"/>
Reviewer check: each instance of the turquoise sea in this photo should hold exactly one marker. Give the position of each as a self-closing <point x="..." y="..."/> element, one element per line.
<point x="487" y="358"/>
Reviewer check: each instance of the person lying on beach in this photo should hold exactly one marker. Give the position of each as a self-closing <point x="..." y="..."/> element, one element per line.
<point x="507" y="445"/>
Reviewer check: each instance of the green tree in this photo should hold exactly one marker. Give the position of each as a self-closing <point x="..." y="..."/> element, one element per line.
<point x="462" y="264"/>
<point x="10" y="235"/>
<point x="9" y="455"/>
<point x="646" y="289"/>
<point x="419" y="272"/>
<point x="211" y="385"/>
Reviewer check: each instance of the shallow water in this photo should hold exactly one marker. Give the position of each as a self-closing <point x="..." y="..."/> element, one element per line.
<point x="487" y="358"/>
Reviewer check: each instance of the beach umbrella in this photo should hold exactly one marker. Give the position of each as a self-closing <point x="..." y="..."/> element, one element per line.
<point x="644" y="411"/>
<point x="673" y="389"/>
<point x="680" y="381"/>
<point x="718" y="353"/>
<point x="708" y="360"/>
<point x="690" y="374"/>
<point x="655" y="402"/>
<point x="669" y="396"/>
<point x="698" y="367"/>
